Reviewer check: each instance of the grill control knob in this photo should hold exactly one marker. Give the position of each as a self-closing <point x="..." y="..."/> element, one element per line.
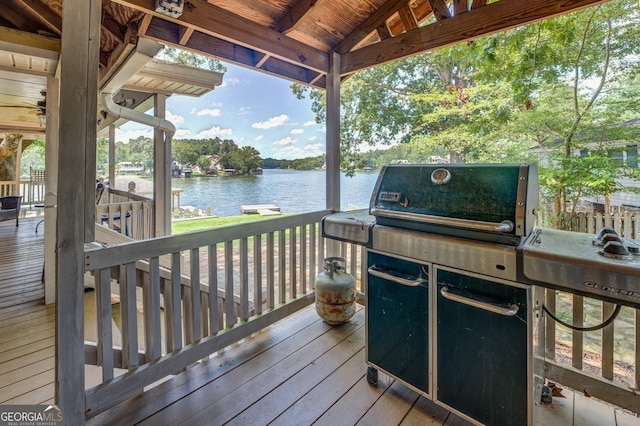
<point x="633" y="248"/>
<point x="615" y="249"/>
<point x="610" y="237"/>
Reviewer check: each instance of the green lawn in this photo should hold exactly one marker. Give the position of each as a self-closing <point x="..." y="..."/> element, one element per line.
<point x="201" y="224"/>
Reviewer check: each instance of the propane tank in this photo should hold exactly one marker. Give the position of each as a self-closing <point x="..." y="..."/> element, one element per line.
<point x="335" y="292"/>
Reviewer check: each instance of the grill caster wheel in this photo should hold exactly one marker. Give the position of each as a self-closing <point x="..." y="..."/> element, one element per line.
<point x="372" y="376"/>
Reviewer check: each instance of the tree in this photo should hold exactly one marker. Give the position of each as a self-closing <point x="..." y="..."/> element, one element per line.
<point x="185" y="57"/>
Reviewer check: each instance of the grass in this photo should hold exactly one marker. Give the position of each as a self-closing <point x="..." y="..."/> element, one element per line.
<point x="202" y="224"/>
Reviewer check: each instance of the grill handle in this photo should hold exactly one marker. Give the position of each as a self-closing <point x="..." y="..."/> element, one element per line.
<point x="504" y="226"/>
<point x="399" y="280"/>
<point x="496" y="309"/>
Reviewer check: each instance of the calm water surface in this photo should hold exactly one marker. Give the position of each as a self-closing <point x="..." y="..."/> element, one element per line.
<point x="291" y="190"/>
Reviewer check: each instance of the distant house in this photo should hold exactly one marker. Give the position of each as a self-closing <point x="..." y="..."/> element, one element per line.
<point x="129" y="168"/>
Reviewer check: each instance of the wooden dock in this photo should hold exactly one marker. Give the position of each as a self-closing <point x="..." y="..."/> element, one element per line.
<point x="261" y="209"/>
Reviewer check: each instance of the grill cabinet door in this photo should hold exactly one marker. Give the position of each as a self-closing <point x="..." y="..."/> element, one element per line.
<point x="397" y="319"/>
<point x="482" y="355"/>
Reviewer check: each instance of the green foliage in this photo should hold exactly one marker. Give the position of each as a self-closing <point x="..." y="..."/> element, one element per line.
<point x="185" y="57"/>
<point x="309" y="163"/>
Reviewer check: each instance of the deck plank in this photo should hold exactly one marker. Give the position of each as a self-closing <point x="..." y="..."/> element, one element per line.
<point x="425" y="413"/>
<point x="392" y="406"/>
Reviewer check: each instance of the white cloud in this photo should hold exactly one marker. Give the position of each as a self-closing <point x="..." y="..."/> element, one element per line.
<point x="316" y="147"/>
<point x="211" y="112"/>
<point x="289" y="153"/>
<point x="259" y="138"/>
<point x="309" y="123"/>
<point x="285" y="141"/>
<point x="323" y="129"/>
<point x="126" y="135"/>
<point x="175" y="119"/>
<point x="213" y="132"/>
<point x="313" y="138"/>
<point x="271" y="123"/>
<point x="297" y="131"/>
<point x="244" y="110"/>
<point x="182" y="133"/>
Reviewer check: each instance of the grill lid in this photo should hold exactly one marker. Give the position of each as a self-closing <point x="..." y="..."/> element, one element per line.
<point x="467" y="200"/>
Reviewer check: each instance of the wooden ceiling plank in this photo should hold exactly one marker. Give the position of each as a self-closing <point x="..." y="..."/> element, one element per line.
<point x="487" y="20"/>
<point x="407" y="18"/>
<point x="184" y="34"/>
<point x="370" y="24"/>
<point x="44" y="14"/>
<point x="292" y="18"/>
<point x="218" y="22"/>
<point x="440" y="9"/>
<point x="16" y="20"/>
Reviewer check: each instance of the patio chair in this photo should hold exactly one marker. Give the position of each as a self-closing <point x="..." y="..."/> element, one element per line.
<point x="10" y="207"/>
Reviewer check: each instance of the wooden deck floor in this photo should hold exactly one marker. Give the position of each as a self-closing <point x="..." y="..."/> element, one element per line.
<point x="21" y="262"/>
<point x="300" y="371"/>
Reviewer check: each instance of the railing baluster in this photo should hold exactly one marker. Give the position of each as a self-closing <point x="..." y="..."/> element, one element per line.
<point x="195" y="293"/>
<point x="204" y="313"/>
<point x="321" y="253"/>
<point x="577" y="348"/>
<point x="151" y="301"/>
<point x="230" y="311"/>
<point x="166" y="289"/>
<point x="550" y="325"/>
<point x="105" y="330"/>
<point x="303" y="259"/>
<point x="607" y="342"/>
<point x="282" y="277"/>
<point x="244" y="279"/>
<point x="129" y="315"/>
<point x="271" y="283"/>
<point x="637" y="347"/>
<point x="353" y="259"/>
<point x="176" y="301"/>
<point x="214" y="323"/>
<point x="257" y="274"/>
<point x="293" y="264"/>
<point x="185" y="292"/>
<point x="313" y="247"/>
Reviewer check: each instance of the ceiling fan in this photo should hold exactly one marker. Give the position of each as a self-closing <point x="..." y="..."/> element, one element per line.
<point x="39" y="109"/>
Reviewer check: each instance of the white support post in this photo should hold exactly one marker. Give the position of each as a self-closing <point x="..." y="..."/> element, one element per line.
<point x="51" y="147"/>
<point x="79" y="55"/>
<point x="333" y="133"/>
<point x="112" y="156"/>
<point x="162" y="172"/>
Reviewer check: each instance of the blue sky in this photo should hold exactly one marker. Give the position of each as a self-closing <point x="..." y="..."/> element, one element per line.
<point x="252" y="109"/>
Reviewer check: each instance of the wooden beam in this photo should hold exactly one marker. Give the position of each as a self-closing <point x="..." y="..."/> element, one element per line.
<point x="333" y="134"/>
<point x="370" y="24"/>
<point x="36" y="45"/>
<point x="291" y="19"/>
<point x="119" y="54"/>
<point x="489" y="19"/>
<point x="478" y="3"/>
<point x="383" y="31"/>
<point x="407" y="18"/>
<point x="184" y="34"/>
<point x="220" y="23"/>
<point x="144" y="23"/>
<point x="49" y="18"/>
<point x="460" y="6"/>
<point x="112" y="27"/>
<point x="440" y="9"/>
<point x="77" y="130"/>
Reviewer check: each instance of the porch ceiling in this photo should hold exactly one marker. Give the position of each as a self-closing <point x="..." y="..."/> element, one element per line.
<point x="292" y="39"/>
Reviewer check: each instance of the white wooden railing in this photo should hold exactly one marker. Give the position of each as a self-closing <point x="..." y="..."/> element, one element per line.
<point x="262" y="272"/>
<point x="138" y="213"/>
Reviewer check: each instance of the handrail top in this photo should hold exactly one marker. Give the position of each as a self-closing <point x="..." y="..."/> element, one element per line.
<point x="97" y="256"/>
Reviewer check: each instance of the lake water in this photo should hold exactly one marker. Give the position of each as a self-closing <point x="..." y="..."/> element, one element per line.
<point x="292" y="190"/>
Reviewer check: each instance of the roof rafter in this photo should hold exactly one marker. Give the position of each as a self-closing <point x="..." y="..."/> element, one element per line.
<point x="440" y="9"/>
<point x="370" y="24"/>
<point x="44" y="14"/>
<point x="293" y="17"/>
<point x="218" y="22"/>
<point x="479" y="22"/>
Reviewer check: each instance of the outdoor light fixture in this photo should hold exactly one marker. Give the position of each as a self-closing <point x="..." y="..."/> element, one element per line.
<point x="171" y="8"/>
<point x="42" y="116"/>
